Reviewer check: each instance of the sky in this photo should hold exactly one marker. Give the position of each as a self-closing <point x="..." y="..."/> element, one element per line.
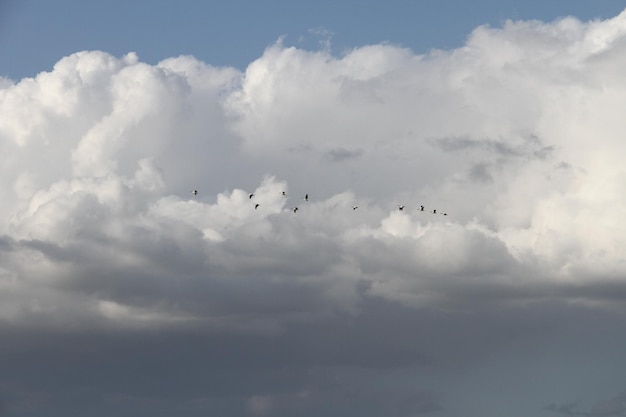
<point x="497" y="290"/>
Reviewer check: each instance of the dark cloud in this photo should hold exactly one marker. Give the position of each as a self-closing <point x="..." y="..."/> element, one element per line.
<point x="345" y="364"/>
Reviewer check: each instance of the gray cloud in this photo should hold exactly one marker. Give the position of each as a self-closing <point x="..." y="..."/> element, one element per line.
<point x="480" y="173"/>
<point x="341" y="154"/>
<point x="530" y="147"/>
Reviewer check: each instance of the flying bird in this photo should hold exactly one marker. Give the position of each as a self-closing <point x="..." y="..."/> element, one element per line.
<point x="284" y="193"/>
<point x="251" y="195"/>
<point x="256" y="206"/>
<point x="421" y="208"/>
<point x="400" y="207"/>
<point x="354" y="207"/>
<point x="295" y="209"/>
<point x="194" y="192"/>
<point x="306" y="197"/>
<point x="435" y="211"/>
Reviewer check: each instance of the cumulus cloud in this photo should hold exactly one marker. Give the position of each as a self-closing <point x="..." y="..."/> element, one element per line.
<point x="516" y="137"/>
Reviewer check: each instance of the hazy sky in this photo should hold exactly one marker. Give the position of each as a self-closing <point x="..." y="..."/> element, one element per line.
<point x="123" y="293"/>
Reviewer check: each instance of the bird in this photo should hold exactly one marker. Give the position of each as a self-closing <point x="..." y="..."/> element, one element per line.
<point x="400" y="207"/>
<point x="295" y="209"/>
<point x="435" y="211"/>
<point x="256" y="206"/>
<point x="251" y="195"/>
<point x="284" y="194"/>
<point x="354" y="207"/>
<point x="194" y="192"/>
<point x="421" y="208"/>
<point x="306" y="197"/>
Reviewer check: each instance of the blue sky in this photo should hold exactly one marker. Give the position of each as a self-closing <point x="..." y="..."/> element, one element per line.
<point x="460" y="252"/>
<point x="35" y="33"/>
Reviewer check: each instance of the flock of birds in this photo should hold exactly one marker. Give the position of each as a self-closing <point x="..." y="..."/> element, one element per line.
<point x="295" y="209"/>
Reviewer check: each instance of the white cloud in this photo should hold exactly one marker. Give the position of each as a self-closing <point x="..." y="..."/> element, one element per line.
<point x="517" y="136"/>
